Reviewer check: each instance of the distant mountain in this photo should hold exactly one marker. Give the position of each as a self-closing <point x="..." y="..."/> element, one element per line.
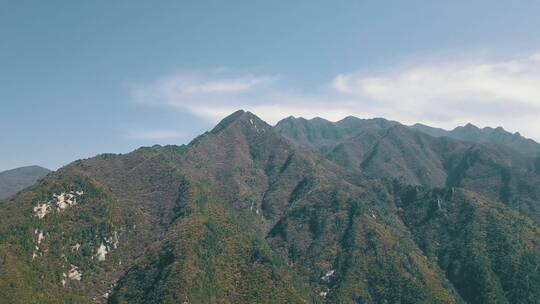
<point x="323" y="134"/>
<point x="244" y="214"/>
<point x="496" y="136"/>
<point x="12" y="181"/>
<point x="392" y="150"/>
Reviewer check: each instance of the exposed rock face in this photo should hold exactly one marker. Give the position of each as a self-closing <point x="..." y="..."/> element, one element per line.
<point x="101" y="252"/>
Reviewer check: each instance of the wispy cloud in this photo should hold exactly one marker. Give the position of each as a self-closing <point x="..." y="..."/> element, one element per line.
<point x="210" y="95"/>
<point x="214" y="95"/>
<point x="149" y="135"/>
<point x="444" y="94"/>
<point x="453" y="89"/>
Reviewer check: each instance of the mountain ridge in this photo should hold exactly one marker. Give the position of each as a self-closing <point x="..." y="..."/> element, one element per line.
<point x="468" y="132"/>
<point x="498" y="136"/>
<point x="398" y="151"/>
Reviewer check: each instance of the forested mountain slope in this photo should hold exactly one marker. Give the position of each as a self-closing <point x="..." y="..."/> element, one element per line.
<point x="244" y="215"/>
<point x="396" y="151"/>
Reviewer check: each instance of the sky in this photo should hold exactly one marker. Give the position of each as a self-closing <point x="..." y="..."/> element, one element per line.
<point x="80" y="78"/>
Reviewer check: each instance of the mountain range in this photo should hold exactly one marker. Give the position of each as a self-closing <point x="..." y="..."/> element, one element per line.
<point x="307" y="211"/>
<point x="497" y="136"/>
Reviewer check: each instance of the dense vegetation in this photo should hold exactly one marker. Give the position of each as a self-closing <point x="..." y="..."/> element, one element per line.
<point x="360" y="211"/>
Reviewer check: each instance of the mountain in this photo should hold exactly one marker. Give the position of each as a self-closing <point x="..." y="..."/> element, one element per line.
<point x="497" y="136"/>
<point x="12" y="181"/>
<point x="242" y="214"/>
<point x="399" y="152"/>
<point x="282" y="189"/>
<point x="322" y="134"/>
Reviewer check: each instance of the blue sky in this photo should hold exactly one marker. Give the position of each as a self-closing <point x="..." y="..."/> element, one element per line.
<point x="79" y="78"/>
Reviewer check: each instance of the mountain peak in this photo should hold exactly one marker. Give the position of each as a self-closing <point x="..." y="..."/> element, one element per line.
<point x="243" y="120"/>
<point x="225" y="122"/>
<point x="470" y="126"/>
<point x="350" y="117"/>
<point x="319" y="119"/>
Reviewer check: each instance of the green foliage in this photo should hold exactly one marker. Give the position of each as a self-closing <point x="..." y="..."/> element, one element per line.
<point x="457" y="168"/>
<point x="210" y="257"/>
<point x="505" y="191"/>
<point x="479" y="244"/>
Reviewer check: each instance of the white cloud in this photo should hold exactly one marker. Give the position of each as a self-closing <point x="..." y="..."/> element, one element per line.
<point x="214" y="96"/>
<point x="211" y="96"/>
<point x="444" y="94"/>
<point x="155" y="134"/>
<point x="503" y="93"/>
